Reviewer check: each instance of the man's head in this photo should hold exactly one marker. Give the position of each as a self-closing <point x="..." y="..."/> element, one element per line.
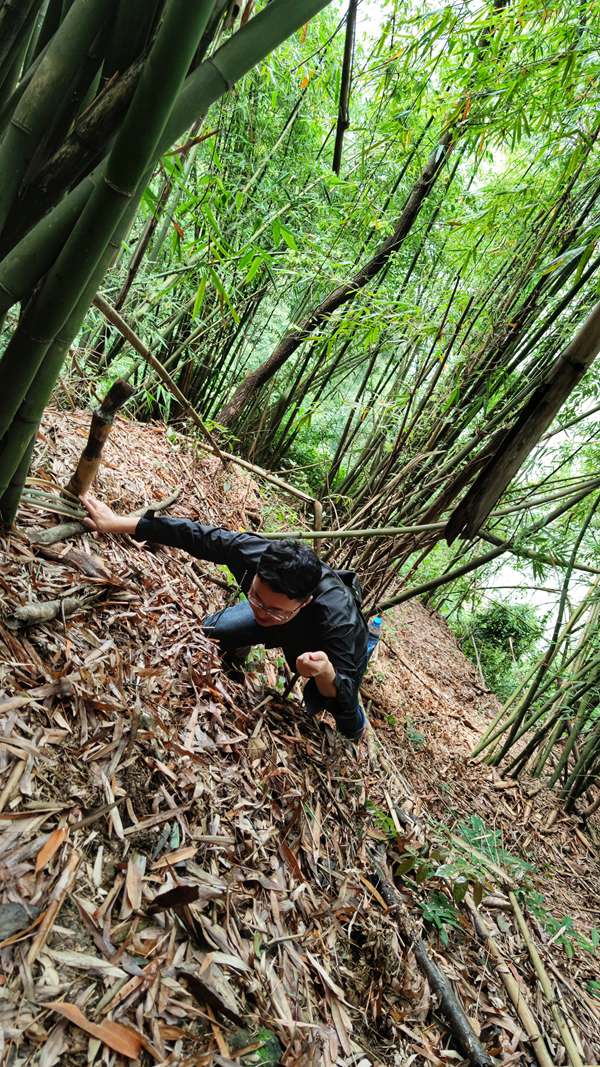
<point x="288" y="574"/>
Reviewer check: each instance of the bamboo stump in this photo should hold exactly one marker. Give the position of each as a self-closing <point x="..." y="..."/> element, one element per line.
<point x="102" y="420"/>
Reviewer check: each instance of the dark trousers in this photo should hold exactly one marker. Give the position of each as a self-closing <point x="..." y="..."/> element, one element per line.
<point x="236" y="628"/>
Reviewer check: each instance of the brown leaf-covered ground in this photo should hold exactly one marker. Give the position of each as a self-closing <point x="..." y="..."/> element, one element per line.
<point x="187" y="863"/>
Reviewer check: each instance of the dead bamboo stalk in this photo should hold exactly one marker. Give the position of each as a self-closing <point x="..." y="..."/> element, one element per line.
<point x="565" y="1029"/>
<point x="102" y="420"/>
<point x="450" y="1005"/>
<point x="512" y="988"/>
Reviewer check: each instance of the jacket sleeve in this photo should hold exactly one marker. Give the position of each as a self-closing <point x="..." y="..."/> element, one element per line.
<point x="238" y="551"/>
<point x="345" y="707"/>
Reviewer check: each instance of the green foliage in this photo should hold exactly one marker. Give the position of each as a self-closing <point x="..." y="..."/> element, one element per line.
<point x="498" y="638"/>
<point x="438" y="912"/>
<point x="562" y="931"/>
<point x="491" y="843"/>
<point x="417" y="739"/>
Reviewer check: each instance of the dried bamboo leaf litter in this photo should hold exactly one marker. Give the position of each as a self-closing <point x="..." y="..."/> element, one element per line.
<point x="186" y="877"/>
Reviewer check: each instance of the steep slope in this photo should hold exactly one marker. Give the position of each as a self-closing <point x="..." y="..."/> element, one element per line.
<point x="133" y="768"/>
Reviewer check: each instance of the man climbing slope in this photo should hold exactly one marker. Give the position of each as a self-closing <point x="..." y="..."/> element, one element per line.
<point x="294" y="602"/>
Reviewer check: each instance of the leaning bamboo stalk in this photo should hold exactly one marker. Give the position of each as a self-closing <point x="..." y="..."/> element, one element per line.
<point x="102" y="420"/>
<point x="33" y="256"/>
<point x="566" y="1030"/>
<point x="210" y="444"/>
<point x="112" y="315"/>
<point x="49" y="325"/>
<point x="36" y="109"/>
<point x="486" y="557"/>
<point x="512" y="988"/>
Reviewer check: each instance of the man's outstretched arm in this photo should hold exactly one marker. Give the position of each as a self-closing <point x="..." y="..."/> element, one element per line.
<point x="105" y="520"/>
<point x="239" y="551"/>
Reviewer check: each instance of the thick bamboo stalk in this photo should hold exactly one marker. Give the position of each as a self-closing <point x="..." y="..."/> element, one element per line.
<point x="535" y="418"/>
<point x="77" y="265"/>
<point x="102" y="420"/>
<point x="36" y="109"/>
<point x="32" y="257"/>
<point x="14" y="16"/>
<point x="29" y="413"/>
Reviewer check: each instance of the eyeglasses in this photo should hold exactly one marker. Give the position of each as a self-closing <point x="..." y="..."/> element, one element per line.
<point x="273" y="613"/>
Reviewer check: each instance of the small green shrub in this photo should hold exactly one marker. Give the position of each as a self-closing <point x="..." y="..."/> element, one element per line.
<point x="500" y="638"/>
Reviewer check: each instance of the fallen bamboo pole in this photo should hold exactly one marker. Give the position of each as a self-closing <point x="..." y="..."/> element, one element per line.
<point x="565" y="1030"/>
<point x="512" y="988"/>
<point x="450" y="1005"/>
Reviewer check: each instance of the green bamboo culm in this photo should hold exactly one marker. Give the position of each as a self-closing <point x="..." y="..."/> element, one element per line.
<point x="17" y="446"/>
<point x="36" y="109"/>
<point x="134" y="151"/>
<point x="29" y="260"/>
<point x="9" y="502"/>
<point x="15" y="18"/>
<point x="13" y="59"/>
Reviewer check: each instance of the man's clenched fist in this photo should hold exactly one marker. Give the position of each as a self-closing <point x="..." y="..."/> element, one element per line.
<point x="315" y="665"/>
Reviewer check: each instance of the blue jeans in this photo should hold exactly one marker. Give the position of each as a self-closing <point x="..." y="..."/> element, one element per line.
<point x="236" y="628"/>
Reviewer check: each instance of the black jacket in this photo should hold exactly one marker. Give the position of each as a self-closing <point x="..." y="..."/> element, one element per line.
<point x="331" y="622"/>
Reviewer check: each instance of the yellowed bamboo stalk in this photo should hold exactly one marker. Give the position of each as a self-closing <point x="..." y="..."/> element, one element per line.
<point x="512" y="987"/>
<point x="565" y="1029"/>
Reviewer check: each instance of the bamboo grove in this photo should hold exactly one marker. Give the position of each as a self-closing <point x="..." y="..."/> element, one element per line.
<point x="362" y="241"/>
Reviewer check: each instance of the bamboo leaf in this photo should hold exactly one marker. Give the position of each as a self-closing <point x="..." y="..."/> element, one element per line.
<point x="119" y="1038"/>
<point x="199" y="299"/>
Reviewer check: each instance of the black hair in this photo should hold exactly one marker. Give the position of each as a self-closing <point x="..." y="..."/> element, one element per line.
<point x="290" y="568"/>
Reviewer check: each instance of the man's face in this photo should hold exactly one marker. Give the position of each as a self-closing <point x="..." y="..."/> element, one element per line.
<point x="271" y="608"/>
